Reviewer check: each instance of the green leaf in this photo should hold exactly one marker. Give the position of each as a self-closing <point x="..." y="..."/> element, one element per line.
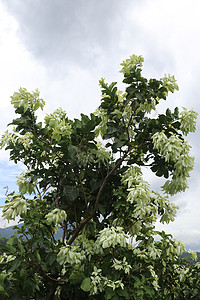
<point x="168" y="112"/>
<point x="76" y="277"/>
<point x="29" y="286"/>
<point x="85" y="285"/>
<point x="51" y="258"/>
<point x="2" y="277"/>
<point x="137" y="282"/>
<point x="148" y="290"/>
<point x="70" y="192"/>
<point x="109" y="294"/>
<point x="15" y="265"/>
<point x="123" y="293"/>
<point x="11" y="240"/>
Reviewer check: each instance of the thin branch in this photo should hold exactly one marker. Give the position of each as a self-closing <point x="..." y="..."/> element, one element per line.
<point x="25" y="236"/>
<point x="84" y="195"/>
<point x="64" y="231"/>
<point x="75" y="213"/>
<point x="39" y="193"/>
<point x="57" y="196"/>
<point x="6" y="192"/>
<point x="54" y="279"/>
<point x="79" y="147"/>
<point x="53" y="238"/>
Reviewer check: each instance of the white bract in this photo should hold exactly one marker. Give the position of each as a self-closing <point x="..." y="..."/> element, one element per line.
<point x="99" y="282"/>
<point x="170" y="210"/>
<point x="155" y="277"/>
<point x="14" y="208"/>
<point x="57" y="122"/>
<point x="56" y="216"/>
<point x="100" y="155"/>
<point x="25" y="183"/>
<point x="6" y="258"/>
<point x="175" y="150"/>
<point x="96" y="281"/>
<point x="193" y="254"/>
<point x="122" y="265"/>
<point x="188" y="121"/>
<point x="70" y="254"/>
<point x="169" y="82"/>
<point x="175" y="247"/>
<point x="130" y="63"/>
<point x="15" y="138"/>
<point x="111" y="237"/>
<point x="27" y="100"/>
<point x="169" y="147"/>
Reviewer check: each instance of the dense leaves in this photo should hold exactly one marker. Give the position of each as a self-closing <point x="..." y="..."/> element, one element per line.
<point x="85" y="177"/>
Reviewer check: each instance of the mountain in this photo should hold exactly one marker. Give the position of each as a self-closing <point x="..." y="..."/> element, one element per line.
<point x="7" y="232"/>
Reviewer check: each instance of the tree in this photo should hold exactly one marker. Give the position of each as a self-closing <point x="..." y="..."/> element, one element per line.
<point x="84" y="176"/>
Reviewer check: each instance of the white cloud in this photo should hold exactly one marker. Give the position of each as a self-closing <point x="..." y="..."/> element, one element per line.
<point x="5" y="223"/>
<point x="170" y="29"/>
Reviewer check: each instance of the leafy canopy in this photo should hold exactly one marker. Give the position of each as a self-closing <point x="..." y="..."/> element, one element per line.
<point x="84" y="177"/>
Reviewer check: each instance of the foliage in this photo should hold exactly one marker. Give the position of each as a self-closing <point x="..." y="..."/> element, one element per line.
<point x="85" y="177"/>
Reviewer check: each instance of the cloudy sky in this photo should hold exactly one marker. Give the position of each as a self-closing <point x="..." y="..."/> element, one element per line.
<point x="64" y="47"/>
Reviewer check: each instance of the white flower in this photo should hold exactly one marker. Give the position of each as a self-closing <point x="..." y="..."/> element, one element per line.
<point x="188" y="121"/>
<point x="14" y="208"/>
<point x="70" y="254"/>
<point x="122" y="265"/>
<point x="176" y="150"/>
<point x="111" y="236"/>
<point x="56" y="216"/>
<point x="193" y="254"/>
<point x="131" y="63"/>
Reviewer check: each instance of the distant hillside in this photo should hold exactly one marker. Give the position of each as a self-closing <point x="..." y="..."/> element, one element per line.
<point x="7" y="232"/>
<point x="187" y="256"/>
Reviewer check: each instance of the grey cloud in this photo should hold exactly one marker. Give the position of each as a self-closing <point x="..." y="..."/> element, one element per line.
<point x="73" y="31"/>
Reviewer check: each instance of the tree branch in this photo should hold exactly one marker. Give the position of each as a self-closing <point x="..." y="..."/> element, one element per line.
<point x="84" y="195"/>
<point x="75" y="214"/>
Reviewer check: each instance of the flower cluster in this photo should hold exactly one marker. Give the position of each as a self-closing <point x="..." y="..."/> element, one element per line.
<point x="121" y="265"/>
<point x="13" y="138"/>
<point x="25" y="183"/>
<point x="97" y="156"/>
<point x="130" y="63"/>
<point x="112" y="236"/>
<point x="56" y="216"/>
<point x="175" y="247"/>
<point x="57" y="122"/>
<point x="71" y="255"/>
<point x="15" y="206"/>
<point x="169" y="147"/>
<point x="188" y="121"/>
<point x="155" y="278"/>
<point x="193" y="254"/>
<point x="146" y="202"/>
<point x="99" y="282"/>
<point x="27" y="100"/>
<point x="169" y="82"/>
<point x="138" y="193"/>
<point x="175" y="150"/>
<point x="6" y="258"/>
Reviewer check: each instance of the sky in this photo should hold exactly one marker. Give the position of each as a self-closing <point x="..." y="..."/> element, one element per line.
<point x="64" y="47"/>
